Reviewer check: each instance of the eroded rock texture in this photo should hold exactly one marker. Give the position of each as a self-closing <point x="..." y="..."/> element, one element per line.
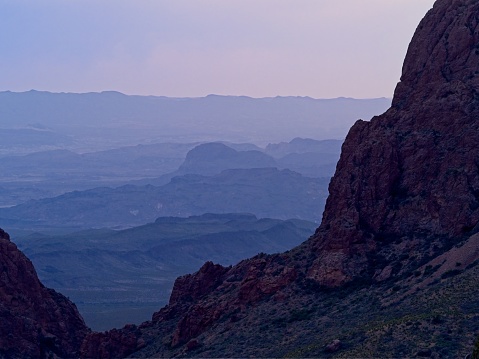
<point x="35" y="321"/>
<point x="411" y="173"/>
<point x="406" y="189"/>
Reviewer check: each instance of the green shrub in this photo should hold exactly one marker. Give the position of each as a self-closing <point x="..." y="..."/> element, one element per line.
<point x="450" y="273"/>
<point x="475" y="353"/>
<point x="300" y="314"/>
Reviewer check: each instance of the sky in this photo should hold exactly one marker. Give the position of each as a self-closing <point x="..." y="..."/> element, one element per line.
<point x="192" y="48"/>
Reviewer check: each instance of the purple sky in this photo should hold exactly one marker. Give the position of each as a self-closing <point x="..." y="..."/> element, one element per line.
<point x="189" y="48"/>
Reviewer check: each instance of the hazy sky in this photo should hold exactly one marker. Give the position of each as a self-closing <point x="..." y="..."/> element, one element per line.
<point x="258" y="48"/>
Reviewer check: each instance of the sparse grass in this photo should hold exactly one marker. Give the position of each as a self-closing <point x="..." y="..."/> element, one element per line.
<point x="380" y="320"/>
<point x="475" y="353"/>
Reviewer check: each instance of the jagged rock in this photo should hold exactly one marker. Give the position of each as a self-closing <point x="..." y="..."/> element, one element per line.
<point x="406" y="190"/>
<point x="334" y="346"/>
<point x="192" y="345"/>
<point x="237" y="287"/>
<point x="4" y="235"/>
<point x="116" y="343"/>
<point x="190" y="288"/>
<point x="406" y="182"/>
<point x="35" y="321"/>
<point x="413" y="171"/>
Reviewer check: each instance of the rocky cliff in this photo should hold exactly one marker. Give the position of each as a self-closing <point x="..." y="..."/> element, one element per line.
<point x="406" y="190"/>
<point x="392" y="270"/>
<point x="36" y="322"/>
<point x="411" y="174"/>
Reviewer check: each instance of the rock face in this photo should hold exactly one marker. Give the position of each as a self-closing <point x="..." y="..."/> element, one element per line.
<point x="411" y="173"/>
<point x="112" y="344"/>
<point x="35" y="321"/>
<point x="234" y="289"/>
<point x="406" y="189"/>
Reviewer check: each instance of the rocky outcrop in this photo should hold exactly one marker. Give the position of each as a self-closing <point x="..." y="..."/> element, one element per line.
<point x="191" y="288"/>
<point x="215" y="292"/>
<point x="406" y="189"/>
<point x="36" y="322"/>
<point x="116" y="343"/>
<point x="407" y="181"/>
<point x="412" y="172"/>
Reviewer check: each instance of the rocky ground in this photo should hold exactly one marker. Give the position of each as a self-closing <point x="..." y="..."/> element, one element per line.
<point x="392" y="270"/>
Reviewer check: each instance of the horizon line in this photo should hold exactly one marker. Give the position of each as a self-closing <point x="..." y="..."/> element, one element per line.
<point x="196" y="97"/>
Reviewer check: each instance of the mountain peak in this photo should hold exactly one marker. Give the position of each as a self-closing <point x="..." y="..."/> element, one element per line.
<point x="4" y="235"/>
<point x="214" y="157"/>
<point x="405" y="192"/>
<point x="443" y="56"/>
<point x="404" y="195"/>
<point x="411" y="174"/>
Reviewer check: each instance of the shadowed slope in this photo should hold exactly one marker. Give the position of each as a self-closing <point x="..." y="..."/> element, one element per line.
<point x="406" y="190"/>
<point x="412" y="173"/>
<point x="36" y="321"/>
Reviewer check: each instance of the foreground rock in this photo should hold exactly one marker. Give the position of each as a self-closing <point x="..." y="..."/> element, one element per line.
<point x="406" y="190"/>
<point x="392" y="270"/>
<point x="411" y="174"/>
<point x="35" y="321"/>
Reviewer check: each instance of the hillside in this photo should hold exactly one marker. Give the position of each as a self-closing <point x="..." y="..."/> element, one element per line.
<point x="392" y="269"/>
<point x="37" y="322"/>
<point x="119" y="277"/>
<point x="51" y="173"/>
<point x="265" y="192"/>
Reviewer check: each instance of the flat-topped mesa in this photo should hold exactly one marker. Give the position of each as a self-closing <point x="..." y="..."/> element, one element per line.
<point x="413" y="171"/>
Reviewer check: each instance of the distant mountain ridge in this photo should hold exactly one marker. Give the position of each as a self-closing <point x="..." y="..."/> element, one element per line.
<point x="391" y="271"/>
<point x="303" y="145"/>
<point x="48" y="174"/>
<point x="111" y="119"/>
<point x="54" y="172"/>
<point x="266" y="192"/>
<point x="213" y="158"/>
<point x="117" y="277"/>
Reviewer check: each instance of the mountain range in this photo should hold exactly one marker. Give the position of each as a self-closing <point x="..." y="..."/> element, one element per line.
<point x="99" y="121"/>
<point x="52" y="173"/>
<point x="118" y="277"/>
<point x="266" y="192"/>
<point x="213" y="177"/>
<point x="390" y="272"/>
